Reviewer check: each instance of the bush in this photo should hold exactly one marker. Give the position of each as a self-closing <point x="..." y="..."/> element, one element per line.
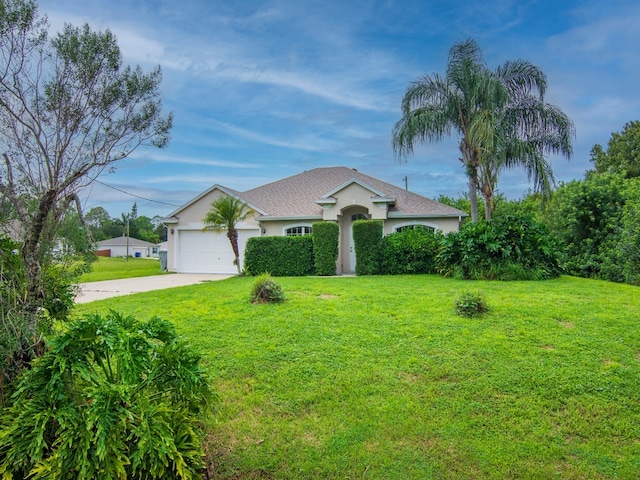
<point x="266" y="290"/>
<point x="367" y="235"/>
<point x="279" y="256"/>
<point x="409" y="251"/>
<point x="471" y="305"/>
<point x="112" y="397"/>
<point x="506" y="248"/>
<point x="325" y="247"/>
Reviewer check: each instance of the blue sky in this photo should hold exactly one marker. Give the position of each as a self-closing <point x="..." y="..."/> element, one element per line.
<point x="262" y="90"/>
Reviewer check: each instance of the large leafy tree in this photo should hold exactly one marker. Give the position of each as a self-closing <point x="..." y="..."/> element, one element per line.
<point x="68" y="111"/>
<point x="224" y="215"/>
<point x="622" y="153"/>
<point x="500" y="116"/>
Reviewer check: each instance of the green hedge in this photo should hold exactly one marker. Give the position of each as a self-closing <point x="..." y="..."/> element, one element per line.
<point x="279" y="256"/>
<point x="367" y="235"/>
<point x="325" y="247"/>
<point x="409" y="251"/>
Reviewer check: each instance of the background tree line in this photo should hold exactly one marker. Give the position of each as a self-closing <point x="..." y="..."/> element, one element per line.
<point x="98" y="226"/>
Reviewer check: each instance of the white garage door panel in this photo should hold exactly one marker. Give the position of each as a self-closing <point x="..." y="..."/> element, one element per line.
<point x="205" y="252"/>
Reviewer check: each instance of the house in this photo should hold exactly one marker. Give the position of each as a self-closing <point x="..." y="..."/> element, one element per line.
<point x="127" y="247"/>
<point x="290" y="206"/>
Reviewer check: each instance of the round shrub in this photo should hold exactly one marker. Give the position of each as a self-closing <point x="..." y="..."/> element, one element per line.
<point x="266" y="290"/>
<point x="470" y="304"/>
<point x="409" y="251"/>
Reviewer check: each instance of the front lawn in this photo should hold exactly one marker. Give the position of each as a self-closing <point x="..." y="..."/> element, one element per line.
<point x="376" y="377"/>
<point x="112" y="268"/>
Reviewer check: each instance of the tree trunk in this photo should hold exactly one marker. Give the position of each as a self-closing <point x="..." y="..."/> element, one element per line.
<point x="232" y="235"/>
<point x="470" y="162"/>
<point x="487" y="207"/>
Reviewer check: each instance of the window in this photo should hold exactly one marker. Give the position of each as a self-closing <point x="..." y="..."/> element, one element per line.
<point x="415" y="226"/>
<point x="154" y="250"/>
<point x="359" y="216"/>
<point x="298" y="231"/>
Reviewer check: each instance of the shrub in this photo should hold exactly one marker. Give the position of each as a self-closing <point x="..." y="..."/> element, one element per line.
<point x="279" y="256"/>
<point x="367" y="235"/>
<point x="325" y="247"/>
<point x="506" y="248"/>
<point x="112" y="397"/>
<point x="409" y="251"/>
<point x="471" y="304"/>
<point x="266" y="290"/>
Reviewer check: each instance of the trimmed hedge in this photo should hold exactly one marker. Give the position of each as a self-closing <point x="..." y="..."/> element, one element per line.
<point x="410" y="251"/>
<point x="367" y="235"/>
<point x="325" y="247"/>
<point x="279" y="256"/>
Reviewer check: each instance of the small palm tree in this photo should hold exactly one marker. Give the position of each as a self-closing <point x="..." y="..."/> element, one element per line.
<point x="225" y="214"/>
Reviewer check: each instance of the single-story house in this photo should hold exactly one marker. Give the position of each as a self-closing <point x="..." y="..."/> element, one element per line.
<point x="290" y="206"/>
<point x="127" y="247"/>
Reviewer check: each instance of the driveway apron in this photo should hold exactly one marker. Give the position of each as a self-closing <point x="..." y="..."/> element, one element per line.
<point x="89" y="292"/>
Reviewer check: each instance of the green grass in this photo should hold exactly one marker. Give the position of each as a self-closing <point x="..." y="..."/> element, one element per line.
<point x="376" y="377"/>
<point x="108" y="268"/>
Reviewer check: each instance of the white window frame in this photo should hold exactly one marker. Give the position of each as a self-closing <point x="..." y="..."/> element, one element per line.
<point x="397" y="228"/>
<point x="296" y="225"/>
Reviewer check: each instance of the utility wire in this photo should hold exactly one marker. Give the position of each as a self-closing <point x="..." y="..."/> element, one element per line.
<point x="134" y="195"/>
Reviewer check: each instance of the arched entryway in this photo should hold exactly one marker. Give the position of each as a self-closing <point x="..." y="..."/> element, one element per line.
<point x="347" y="250"/>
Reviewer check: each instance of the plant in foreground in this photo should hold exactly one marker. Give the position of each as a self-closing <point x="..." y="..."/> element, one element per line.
<point x="112" y="397"/>
<point x="470" y="304"/>
<point x="266" y="290"/>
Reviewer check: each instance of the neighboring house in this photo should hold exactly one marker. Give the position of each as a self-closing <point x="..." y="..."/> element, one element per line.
<point x="290" y="206"/>
<point x="128" y="247"/>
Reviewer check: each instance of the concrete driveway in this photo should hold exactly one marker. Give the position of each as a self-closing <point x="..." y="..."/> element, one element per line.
<point x="90" y="292"/>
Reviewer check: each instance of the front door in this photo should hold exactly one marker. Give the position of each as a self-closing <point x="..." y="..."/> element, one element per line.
<point x="349" y="256"/>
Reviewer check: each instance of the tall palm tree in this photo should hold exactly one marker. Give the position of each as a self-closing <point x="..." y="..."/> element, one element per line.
<point x="462" y="102"/>
<point x="225" y="213"/>
<point x="527" y="128"/>
<point x="501" y="117"/>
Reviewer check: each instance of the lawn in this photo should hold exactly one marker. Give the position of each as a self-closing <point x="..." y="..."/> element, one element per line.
<point x="376" y="377"/>
<point x="108" y="268"/>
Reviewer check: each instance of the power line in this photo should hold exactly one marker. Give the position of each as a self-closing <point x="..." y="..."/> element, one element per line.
<point x="134" y="195"/>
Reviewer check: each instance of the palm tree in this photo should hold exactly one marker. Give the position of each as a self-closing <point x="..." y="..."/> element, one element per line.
<point x="225" y="214"/>
<point x="462" y="102"/>
<point x="501" y="117"/>
<point x="527" y="128"/>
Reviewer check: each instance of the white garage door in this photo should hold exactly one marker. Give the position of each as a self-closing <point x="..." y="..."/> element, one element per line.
<point x="205" y="252"/>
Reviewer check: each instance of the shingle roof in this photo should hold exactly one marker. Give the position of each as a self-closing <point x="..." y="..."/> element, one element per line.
<point x="296" y="196"/>
<point x="122" y="241"/>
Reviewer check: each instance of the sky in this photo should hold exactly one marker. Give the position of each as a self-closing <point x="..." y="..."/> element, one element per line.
<point x="261" y="90"/>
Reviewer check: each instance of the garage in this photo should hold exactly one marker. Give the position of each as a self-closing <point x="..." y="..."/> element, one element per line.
<point x="205" y="252"/>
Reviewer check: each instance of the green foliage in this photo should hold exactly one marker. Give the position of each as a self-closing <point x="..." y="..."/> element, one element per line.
<point x="325" y="247"/>
<point x="279" y="256"/>
<point x="470" y="304"/>
<point x="409" y="251"/>
<point x="586" y="216"/>
<point x="266" y="290"/>
<point x="506" y="248"/>
<point x="367" y="235"/>
<point x="111" y="398"/>
<point x="622" y="154"/>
